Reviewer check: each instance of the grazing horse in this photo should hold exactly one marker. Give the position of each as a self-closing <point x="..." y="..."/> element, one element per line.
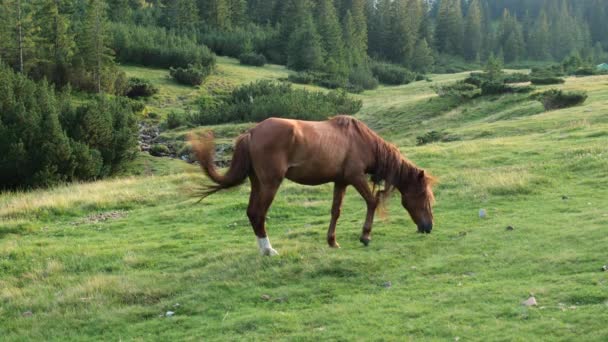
<point x="342" y="150"/>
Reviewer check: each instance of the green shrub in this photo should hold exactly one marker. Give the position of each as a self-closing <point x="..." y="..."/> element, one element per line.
<point x="429" y="137"/>
<point x="252" y="58"/>
<point x="546" y="80"/>
<point x="586" y="71"/>
<point x="139" y="87"/>
<point x="263" y="99"/>
<point x="392" y="74"/>
<point x="495" y="88"/>
<point x="303" y="77"/>
<point x="362" y="78"/>
<point x="516" y="78"/>
<point x="193" y="75"/>
<point x="556" y="99"/>
<point x="240" y="40"/>
<point x="459" y="90"/>
<point x="175" y="120"/>
<point x="45" y="139"/>
<point x="476" y="79"/>
<point x="156" y="46"/>
<point x="159" y="150"/>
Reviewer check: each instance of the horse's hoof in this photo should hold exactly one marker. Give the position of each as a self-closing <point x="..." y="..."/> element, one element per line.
<point x="334" y="245"/>
<point x="365" y="241"/>
<point x="269" y="252"/>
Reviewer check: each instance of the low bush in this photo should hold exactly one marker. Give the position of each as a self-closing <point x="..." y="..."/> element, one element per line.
<point x="175" y="120"/>
<point x="435" y="136"/>
<point x="192" y="75"/>
<point x="495" y="88"/>
<point x="546" y="80"/>
<point x="237" y="41"/>
<point x="362" y="78"/>
<point x="516" y="78"/>
<point x="459" y="90"/>
<point x="156" y="46"/>
<point x="556" y="99"/>
<point x="252" y="58"/>
<point x="159" y="150"/>
<point x="392" y="74"/>
<point x="45" y="139"/>
<point x="302" y="77"/>
<point x="263" y="99"/>
<point x="139" y="87"/>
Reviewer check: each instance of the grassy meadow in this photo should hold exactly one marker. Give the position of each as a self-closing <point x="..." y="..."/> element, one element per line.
<point x="108" y="260"/>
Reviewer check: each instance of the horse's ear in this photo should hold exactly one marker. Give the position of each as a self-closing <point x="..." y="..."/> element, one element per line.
<point x="421" y="175"/>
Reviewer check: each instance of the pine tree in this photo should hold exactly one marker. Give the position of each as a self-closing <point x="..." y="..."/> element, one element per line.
<point x="182" y="15"/>
<point x="422" y="59"/>
<point x="540" y="38"/>
<point x="18" y="43"/>
<point x="331" y="38"/>
<point x="304" y="50"/>
<point x="56" y="45"/>
<point x="450" y="31"/>
<point x="238" y="9"/>
<point x="473" y="34"/>
<point x="94" y="41"/>
<point x="510" y="37"/>
<point x="360" y="30"/>
<point x="407" y="18"/>
<point x="216" y="13"/>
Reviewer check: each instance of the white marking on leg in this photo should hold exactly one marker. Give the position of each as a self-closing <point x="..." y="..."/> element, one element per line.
<point x="265" y="247"/>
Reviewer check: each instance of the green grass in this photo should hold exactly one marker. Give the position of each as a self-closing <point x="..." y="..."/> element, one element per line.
<point x="85" y="279"/>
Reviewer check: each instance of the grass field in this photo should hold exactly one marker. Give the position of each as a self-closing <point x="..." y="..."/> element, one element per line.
<point x="108" y="260"/>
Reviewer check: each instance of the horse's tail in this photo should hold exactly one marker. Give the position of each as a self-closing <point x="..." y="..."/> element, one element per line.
<point x="204" y="150"/>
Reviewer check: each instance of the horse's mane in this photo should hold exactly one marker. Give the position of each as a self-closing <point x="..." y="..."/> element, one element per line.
<point x="391" y="167"/>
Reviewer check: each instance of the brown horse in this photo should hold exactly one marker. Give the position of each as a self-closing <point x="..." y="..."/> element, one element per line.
<point x="342" y="150"/>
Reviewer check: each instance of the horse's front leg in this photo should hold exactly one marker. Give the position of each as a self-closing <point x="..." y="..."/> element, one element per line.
<point x="372" y="202"/>
<point x="336" y="207"/>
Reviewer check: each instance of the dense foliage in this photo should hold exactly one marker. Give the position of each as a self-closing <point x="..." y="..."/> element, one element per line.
<point x="392" y="74"/>
<point x="192" y="75"/>
<point x="139" y="87"/>
<point x="158" y="47"/>
<point x="252" y="58"/>
<point x="44" y="139"/>
<point x="556" y="99"/>
<point x="263" y="99"/>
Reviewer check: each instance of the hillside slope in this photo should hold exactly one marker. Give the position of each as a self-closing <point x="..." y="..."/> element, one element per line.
<point x="109" y="260"/>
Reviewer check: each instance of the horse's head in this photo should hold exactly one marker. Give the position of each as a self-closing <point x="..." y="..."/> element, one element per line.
<point x="417" y="198"/>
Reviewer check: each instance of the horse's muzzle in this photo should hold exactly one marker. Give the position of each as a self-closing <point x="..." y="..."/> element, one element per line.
<point x="425" y="228"/>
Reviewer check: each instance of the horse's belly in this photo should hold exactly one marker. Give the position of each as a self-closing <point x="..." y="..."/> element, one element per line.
<point x="310" y="175"/>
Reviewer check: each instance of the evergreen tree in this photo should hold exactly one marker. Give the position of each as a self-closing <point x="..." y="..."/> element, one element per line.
<point x="360" y="30"/>
<point x="510" y="37"/>
<point x="56" y="45"/>
<point x="94" y="50"/>
<point x="331" y="38"/>
<point x="450" y="30"/>
<point x="18" y="43"/>
<point x="422" y="59"/>
<point x="473" y="33"/>
<point x="540" y="38"/>
<point x="182" y="15"/>
<point x="407" y="19"/>
<point x="216" y="13"/>
<point x="238" y="9"/>
<point x="304" y="50"/>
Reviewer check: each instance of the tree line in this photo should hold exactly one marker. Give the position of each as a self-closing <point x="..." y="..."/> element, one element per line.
<point x="77" y="41"/>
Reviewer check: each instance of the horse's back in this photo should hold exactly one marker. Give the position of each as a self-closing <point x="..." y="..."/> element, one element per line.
<point x="310" y="152"/>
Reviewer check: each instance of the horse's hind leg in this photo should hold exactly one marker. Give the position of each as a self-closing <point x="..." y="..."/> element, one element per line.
<point x="259" y="202"/>
<point x="336" y="207"/>
<point x="372" y="202"/>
